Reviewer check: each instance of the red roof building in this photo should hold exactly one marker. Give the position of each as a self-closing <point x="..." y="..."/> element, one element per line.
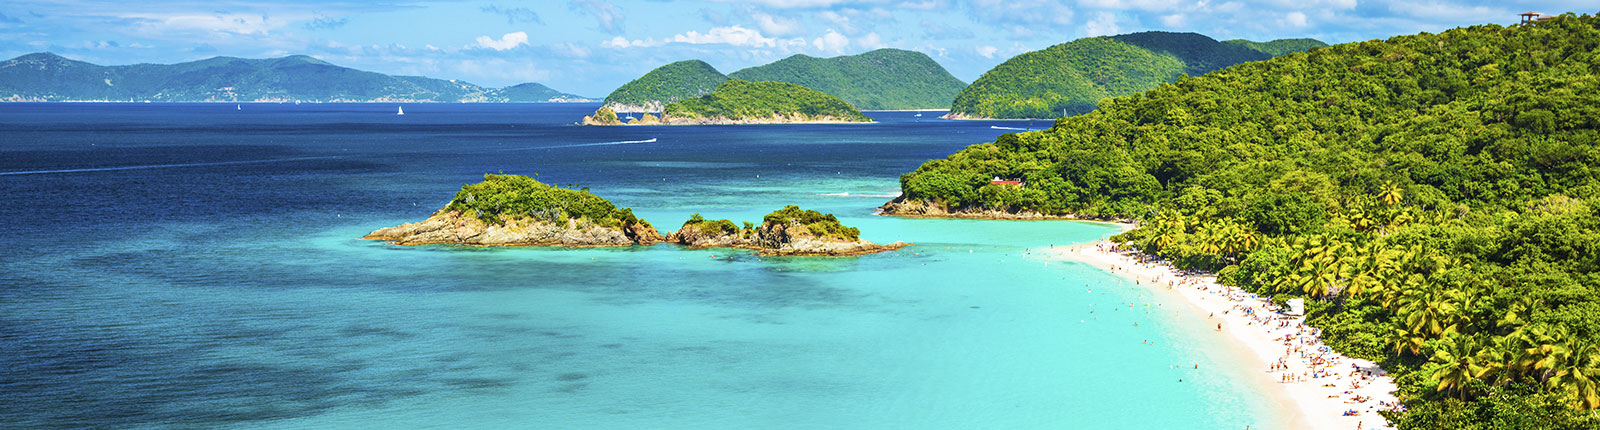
<point x="998" y="181"/>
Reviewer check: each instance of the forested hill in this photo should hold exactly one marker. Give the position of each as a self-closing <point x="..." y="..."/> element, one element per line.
<point x="1436" y="195"/>
<point x="880" y="79"/>
<point x="1280" y="46"/>
<point x="1070" y="78"/>
<point x="682" y="80"/>
<point x="763" y="102"/>
<point x="50" y="77"/>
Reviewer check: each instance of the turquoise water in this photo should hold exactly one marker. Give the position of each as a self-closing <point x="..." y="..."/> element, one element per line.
<point x="254" y="305"/>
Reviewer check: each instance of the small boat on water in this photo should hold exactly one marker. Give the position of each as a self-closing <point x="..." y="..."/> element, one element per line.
<point x="918" y="114"/>
<point x="237" y="107"/>
<point x="401" y="111"/>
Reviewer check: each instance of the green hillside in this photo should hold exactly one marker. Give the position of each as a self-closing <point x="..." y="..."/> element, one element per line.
<point x="1071" y="78"/>
<point x="49" y="77"/>
<point x="1433" y="195"/>
<point x="666" y="84"/>
<point x="880" y="79"/>
<point x="1280" y="46"/>
<point x="743" y="100"/>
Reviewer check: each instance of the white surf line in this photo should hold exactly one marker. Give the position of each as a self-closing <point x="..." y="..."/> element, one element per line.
<point x="161" y="166"/>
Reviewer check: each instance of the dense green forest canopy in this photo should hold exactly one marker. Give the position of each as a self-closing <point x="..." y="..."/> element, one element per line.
<point x="1072" y="77"/>
<point x="50" y="77"/>
<point x="741" y="100"/>
<point x="820" y="224"/>
<point x="682" y="80"/>
<point x="1435" y="193"/>
<point x="881" y="79"/>
<point x="503" y="197"/>
<point x="1280" y="46"/>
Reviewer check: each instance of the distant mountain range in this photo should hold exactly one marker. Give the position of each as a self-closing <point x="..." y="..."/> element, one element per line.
<point x="1071" y="78"/>
<point x="50" y="77"/>
<point x="879" y="79"/>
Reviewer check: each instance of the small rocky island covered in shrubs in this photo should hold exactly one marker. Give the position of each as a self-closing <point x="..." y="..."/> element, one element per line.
<point x="513" y="210"/>
<point x="790" y="231"/>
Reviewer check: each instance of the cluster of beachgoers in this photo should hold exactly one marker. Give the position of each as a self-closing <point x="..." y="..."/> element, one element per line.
<point x="1330" y="390"/>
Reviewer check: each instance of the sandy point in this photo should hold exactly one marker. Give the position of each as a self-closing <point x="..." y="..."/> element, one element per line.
<point x="1329" y="390"/>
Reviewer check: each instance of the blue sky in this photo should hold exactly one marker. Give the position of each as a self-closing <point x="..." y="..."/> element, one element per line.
<point x="590" y="47"/>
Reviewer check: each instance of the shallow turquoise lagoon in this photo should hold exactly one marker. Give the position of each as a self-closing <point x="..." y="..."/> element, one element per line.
<point x="240" y="296"/>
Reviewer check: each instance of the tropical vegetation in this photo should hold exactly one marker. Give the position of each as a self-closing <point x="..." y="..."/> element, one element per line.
<point x="1280" y="46"/>
<point x="500" y="198"/>
<point x="1072" y="78"/>
<point x="880" y="79"/>
<point x="818" y="223"/>
<point x="682" y="80"/>
<point x="744" y="100"/>
<point x="1434" y="195"/>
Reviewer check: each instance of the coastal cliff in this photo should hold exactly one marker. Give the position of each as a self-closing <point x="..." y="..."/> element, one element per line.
<point x="510" y="210"/>
<point x="790" y="231"/>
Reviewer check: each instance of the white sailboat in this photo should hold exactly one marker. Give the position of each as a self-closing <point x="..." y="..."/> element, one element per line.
<point x="236" y="107"/>
<point x="401" y="111"/>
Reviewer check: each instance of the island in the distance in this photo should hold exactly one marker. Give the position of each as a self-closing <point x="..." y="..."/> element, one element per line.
<point x="745" y="102"/>
<point x="790" y="231"/>
<point x="514" y="210"/>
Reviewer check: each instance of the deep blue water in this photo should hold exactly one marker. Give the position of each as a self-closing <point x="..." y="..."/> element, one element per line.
<point x="194" y="265"/>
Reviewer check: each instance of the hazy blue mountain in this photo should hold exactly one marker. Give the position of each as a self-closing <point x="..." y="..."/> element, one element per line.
<point x="49" y="77"/>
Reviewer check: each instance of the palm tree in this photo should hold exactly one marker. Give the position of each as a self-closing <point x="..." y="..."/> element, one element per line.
<point x="1390" y="193"/>
<point x="1405" y="341"/>
<point x="1457" y="363"/>
<point x="1577" y="371"/>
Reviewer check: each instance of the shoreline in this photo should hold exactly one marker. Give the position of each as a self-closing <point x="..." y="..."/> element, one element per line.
<point x="1253" y="327"/>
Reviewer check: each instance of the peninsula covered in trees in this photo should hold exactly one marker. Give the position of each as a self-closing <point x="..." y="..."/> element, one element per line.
<point x="1433" y="194"/>
<point x="1071" y="78"/>
<point x="743" y="102"/>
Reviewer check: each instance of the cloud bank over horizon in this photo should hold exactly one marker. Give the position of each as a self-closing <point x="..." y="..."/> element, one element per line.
<point x="589" y="47"/>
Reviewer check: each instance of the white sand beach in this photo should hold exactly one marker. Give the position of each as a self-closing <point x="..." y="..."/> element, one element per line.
<point x="1331" y="391"/>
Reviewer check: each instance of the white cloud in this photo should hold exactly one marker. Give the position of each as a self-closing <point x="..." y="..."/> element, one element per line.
<point x="1174" y="20"/>
<point x="870" y="41"/>
<point x="214" y="23"/>
<point x="606" y="13"/>
<point x="1103" y="24"/>
<point x="1147" y="5"/>
<point x="508" y="41"/>
<point x="730" y="35"/>
<point x="987" y="51"/>
<point x="776" y="26"/>
<point x="838" y="20"/>
<point x="1296" y="19"/>
<point x="833" y="41"/>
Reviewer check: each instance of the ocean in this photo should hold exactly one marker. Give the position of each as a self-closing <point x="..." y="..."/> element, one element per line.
<point x="200" y="266"/>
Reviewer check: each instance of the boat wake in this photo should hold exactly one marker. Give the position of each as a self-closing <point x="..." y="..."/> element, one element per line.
<point x="873" y="195"/>
<point x="162" y="166"/>
<point x="996" y="127"/>
<point x="580" y="145"/>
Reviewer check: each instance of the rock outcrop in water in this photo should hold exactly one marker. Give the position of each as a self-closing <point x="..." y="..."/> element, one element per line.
<point x="787" y="232"/>
<point x="510" y="210"/>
